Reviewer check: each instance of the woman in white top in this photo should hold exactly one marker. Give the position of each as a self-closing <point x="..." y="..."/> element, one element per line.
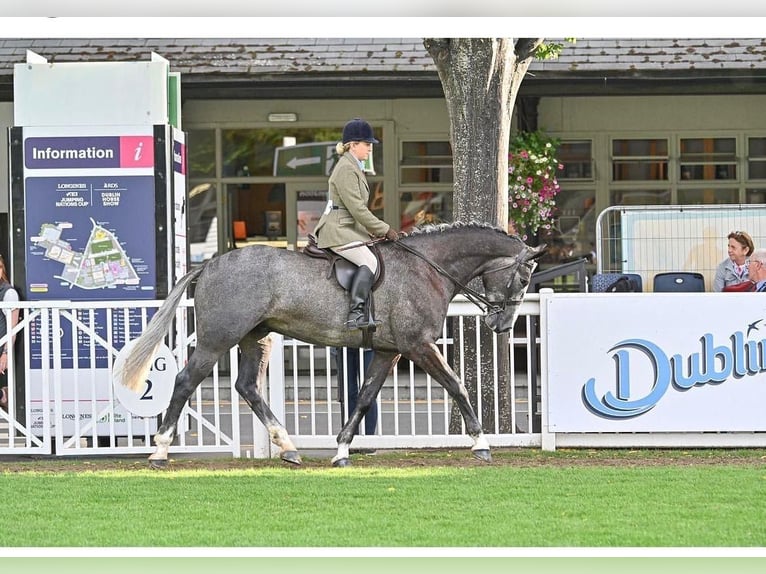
<point x="7" y="293"/>
<point x="734" y="269"/>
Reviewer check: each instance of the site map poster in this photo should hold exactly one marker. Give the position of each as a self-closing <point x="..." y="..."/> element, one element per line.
<point x="90" y="227"/>
<point x="90" y="237"/>
<point x="86" y="240"/>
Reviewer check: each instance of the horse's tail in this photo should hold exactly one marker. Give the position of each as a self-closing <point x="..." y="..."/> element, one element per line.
<point x="134" y="367"/>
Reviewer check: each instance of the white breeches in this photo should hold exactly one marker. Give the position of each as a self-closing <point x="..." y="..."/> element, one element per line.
<point x="361" y="255"/>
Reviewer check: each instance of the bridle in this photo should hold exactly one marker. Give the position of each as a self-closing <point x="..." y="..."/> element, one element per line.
<point x="486" y="305"/>
<point x="516" y="299"/>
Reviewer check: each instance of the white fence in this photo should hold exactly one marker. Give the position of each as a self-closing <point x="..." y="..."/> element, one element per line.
<point x="62" y="399"/>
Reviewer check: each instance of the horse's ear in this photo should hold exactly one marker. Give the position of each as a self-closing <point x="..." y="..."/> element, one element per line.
<point x="536" y="252"/>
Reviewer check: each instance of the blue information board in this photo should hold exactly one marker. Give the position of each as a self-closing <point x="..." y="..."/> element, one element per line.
<point x="90" y="238"/>
<point x="90" y="219"/>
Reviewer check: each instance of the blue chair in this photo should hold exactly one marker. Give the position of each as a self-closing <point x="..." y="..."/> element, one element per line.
<point x="679" y="282"/>
<point x="600" y="282"/>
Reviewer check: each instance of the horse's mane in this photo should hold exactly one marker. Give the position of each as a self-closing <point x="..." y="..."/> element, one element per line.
<point x="447" y="227"/>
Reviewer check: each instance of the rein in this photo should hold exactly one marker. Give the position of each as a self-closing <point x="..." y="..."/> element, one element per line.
<point x="474" y="296"/>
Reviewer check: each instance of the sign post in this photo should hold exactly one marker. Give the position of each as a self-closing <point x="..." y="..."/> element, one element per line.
<point x="98" y="192"/>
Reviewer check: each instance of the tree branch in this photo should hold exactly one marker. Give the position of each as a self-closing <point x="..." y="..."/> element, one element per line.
<point x="439" y="49"/>
<point x="525" y="47"/>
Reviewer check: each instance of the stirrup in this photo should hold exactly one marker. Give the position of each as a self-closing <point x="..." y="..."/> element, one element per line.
<point x="359" y="321"/>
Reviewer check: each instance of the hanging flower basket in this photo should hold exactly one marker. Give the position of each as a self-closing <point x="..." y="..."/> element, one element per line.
<point x="532" y="168"/>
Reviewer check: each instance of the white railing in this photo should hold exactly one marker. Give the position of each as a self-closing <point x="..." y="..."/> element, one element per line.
<point x="413" y="410"/>
<point x="62" y="401"/>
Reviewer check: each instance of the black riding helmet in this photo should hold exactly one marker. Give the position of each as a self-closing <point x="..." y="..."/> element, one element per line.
<point x="358" y="130"/>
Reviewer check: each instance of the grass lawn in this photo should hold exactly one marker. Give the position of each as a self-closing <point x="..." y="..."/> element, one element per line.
<point x="525" y="498"/>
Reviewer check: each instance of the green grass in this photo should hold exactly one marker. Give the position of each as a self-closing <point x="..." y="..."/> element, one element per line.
<point x="257" y="504"/>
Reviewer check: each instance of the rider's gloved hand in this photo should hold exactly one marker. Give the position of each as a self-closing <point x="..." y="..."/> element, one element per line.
<point x="392" y="234"/>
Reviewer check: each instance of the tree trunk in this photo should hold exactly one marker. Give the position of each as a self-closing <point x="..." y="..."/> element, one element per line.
<point x="480" y="78"/>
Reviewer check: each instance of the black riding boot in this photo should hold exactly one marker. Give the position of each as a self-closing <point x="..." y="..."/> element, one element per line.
<point x="361" y="285"/>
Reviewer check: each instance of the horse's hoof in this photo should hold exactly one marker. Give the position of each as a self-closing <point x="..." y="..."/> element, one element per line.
<point x="482" y="454"/>
<point x="341" y="462"/>
<point x="158" y="463"/>
<point x="292" y="457"/>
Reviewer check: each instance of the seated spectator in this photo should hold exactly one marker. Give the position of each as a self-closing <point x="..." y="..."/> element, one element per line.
<point x="758" y="269"/>
<point x="734" y="269"/>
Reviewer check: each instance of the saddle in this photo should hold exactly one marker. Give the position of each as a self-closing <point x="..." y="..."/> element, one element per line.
<point x="344" y="272"/>
<point x="342" y="268"/>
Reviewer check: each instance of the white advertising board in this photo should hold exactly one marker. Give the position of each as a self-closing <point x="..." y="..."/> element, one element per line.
<point x="660" y="362"/>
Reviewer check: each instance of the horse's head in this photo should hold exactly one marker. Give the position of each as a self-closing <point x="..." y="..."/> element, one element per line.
<point x="506" y="290"/>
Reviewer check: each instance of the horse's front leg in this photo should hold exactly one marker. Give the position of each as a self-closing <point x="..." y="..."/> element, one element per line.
<point x="253" y="365"/>
<point x="381" y="365"/>
<point x="428" y="358"/>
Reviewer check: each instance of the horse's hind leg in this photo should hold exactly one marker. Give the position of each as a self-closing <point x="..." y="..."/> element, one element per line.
<point x="253" y="364"/>
<point x="428" y="357"/>
<point x="199" y="366"/>
<point x="374" y="378"/>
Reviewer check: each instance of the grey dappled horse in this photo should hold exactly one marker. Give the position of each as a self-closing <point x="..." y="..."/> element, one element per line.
<point x="243" y="295"/>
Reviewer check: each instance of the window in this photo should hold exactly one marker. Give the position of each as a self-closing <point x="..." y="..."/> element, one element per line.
<point x="708" y="159"/>
<point x="202" y="222"/>
<point x="577" y="159"/>
<point x="574" y="229"/>
<point x="426" y="177"/>
<point x="756" y="158"/>
<point x="640" y="159"/>
<point x="755" y="196"/>
<point x="639" y="197"/>
<point x="708" y="196"/>
<point x="424" y="207"/>
<point x="200" y="149"/>
<point x="253" y="152"/>
<point x="426" y="162"/>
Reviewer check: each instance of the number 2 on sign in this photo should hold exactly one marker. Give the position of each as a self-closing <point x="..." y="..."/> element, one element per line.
<point x="147" y="393"/>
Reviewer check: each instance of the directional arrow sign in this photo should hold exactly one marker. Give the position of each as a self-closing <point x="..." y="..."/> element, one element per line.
<point x="295" y="162"/>
<point x="315" y="158"/>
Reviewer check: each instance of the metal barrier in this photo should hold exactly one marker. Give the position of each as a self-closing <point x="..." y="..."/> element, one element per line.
<point x="647" y="240"/>
<point x="62" y="399"/>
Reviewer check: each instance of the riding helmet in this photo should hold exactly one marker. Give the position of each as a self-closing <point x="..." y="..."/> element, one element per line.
<point x="358" y="130"/>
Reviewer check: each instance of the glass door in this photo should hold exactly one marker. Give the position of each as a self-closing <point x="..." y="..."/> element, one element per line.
<point x="305" y="203"/>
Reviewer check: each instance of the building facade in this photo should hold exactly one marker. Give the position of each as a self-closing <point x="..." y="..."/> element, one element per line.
<point x="641" y="121"/>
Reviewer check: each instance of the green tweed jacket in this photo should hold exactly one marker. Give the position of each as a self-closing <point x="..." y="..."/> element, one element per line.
<point x="349" y="218"/>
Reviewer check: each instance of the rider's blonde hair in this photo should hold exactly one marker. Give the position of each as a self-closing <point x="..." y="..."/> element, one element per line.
<point x="341" y="148"/>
